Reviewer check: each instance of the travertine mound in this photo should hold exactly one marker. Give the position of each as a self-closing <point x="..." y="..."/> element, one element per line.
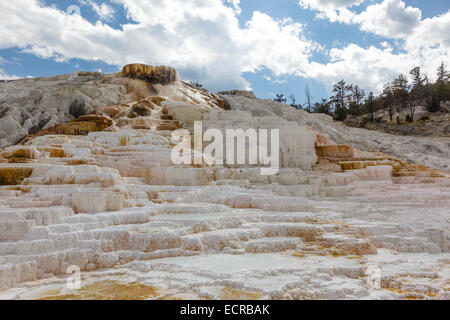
<point x="153" y="74"/>
<point x="28" y="106"/>
<point x="101" y="192"/>
<point x="432" y="152"/>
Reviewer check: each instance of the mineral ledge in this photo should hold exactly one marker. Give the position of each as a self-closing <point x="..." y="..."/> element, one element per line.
<point x="99" y="191"/>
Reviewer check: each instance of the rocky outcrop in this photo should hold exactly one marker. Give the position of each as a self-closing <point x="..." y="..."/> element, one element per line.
<point x="153" y="74"/>
<point x="31" y="105"/>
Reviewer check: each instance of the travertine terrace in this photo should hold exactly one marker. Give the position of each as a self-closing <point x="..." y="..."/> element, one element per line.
<point x="98" y="190"/>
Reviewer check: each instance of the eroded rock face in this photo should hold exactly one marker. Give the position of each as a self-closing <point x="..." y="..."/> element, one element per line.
<point x="153" y="74"/>
<point x="31" y="105"/>
<point x="109" y="200"/>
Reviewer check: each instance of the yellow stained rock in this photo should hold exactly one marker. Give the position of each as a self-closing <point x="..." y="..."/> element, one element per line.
<point x="236" y="294"/>
<point x="154" y="74"/>
<point x="108" y="290"/>
<point x="335" y="151"/>
<point x="23" y="153"/>
<point x="11" y="176"/>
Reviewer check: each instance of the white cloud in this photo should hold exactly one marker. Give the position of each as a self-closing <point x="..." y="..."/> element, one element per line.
<point x="273" y="81"/>
<point x="279" y="46"/>
<point x="426" y="46"/>
<point x="370" y="68"/>
<point x="390" y="18"/>
<point x="202" y="38"/>
<point x="422" y="43"/>
<point x="333" y="10"/>
<point x="4" y="76"/>
<point x="103" y="10"/>
<point x="430" y="43"/>
<point x="204" y="41"/>
<point x="236" y="6"/>
<point x="326" y="4"/>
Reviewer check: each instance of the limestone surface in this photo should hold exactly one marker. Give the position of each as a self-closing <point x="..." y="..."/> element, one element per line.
<point x="348" y="215"/>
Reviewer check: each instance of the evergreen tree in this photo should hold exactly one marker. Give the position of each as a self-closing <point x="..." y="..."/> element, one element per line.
<point x="443" y="75"/>
<point x="357" y="97"/>
<point x="441" y="89"/>
<point x="420" y="93"/>
<point x="371" y="106"/>
<point x="388" y="100"/>
<point x="322" y="107"/>
<point x="339" y="100"/>
<point x="400" y="89"/>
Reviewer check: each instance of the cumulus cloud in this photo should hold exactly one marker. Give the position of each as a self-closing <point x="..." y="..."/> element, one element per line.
<point x="426" y="46"/>
<point x="204" y="41"/>
<point x="103" y="10"/>
<point x="422" y="43"/>
<point x="390" y="18"/>
<point x="430" y="43"/>
<point x="368" y="67"/>
<point x="5" y="76"/>
<point x="333" y="10"/>
<point x="236" y="6"/>
<point x="325" y="4"/>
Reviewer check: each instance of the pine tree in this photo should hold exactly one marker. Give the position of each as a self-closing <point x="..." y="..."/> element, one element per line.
<point x="420" y="91"/>
<point x="400" y="88"/>
<point x="340" y="100"/>
<point x="322" y="107"/>
<point x="441" y="89"/>
<point x="357" y="96"/>
<point x="388" y="100"/>
<point x="443" y="75"/>
<point x="371" y="106"/>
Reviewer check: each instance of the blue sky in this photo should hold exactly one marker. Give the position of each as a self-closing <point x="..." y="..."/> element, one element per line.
<point x="269" y="46"/>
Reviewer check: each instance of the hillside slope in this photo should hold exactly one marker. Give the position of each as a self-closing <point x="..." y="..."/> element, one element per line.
<point x="430" y="151"/>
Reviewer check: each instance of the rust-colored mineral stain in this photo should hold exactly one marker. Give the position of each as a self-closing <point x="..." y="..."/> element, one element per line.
<point x="23" y="153"/>
<point x="10" y="176"/>
<point x="108" y="290"/>
<point x="236" y="294"/>
<point x="299" y="254"/>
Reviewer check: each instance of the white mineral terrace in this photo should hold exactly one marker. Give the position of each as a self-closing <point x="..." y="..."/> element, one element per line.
<point x="112" y="203"/>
